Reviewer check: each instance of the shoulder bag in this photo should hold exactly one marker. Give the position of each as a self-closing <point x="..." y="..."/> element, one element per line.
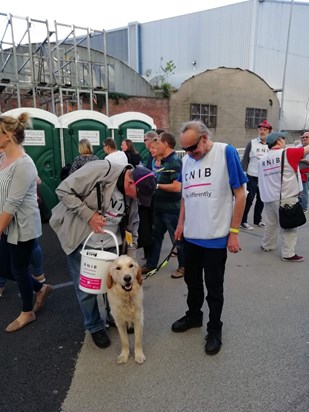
<point x="290" y="216"/>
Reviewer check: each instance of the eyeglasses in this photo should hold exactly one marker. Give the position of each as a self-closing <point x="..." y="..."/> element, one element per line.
<point x="146" y="140"/>
<point x="194" y="146"/>
<point x="305" y="137"/>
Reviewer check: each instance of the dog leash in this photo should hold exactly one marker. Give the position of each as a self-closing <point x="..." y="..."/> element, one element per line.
<point x="163" y="263"/>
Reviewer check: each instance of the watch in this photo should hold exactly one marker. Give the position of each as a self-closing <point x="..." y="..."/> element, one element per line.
<point x="157" y="187"/>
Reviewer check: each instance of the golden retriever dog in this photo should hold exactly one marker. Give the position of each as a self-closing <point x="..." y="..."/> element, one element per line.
<point x="125" y="296"/>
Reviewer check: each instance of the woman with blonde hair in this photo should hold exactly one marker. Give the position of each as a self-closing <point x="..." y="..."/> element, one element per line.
<point x="20" y="222"/>
<point x="85" y="155"/>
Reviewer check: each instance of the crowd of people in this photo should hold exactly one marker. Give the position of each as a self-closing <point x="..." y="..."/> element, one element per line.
<point x="201" y="200"/>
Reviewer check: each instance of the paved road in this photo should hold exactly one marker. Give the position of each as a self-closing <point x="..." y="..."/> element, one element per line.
<point x="263" y="365"/>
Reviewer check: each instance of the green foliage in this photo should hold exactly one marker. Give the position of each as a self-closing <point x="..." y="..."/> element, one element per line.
<point x="169" y="68"/>
<point x="166" y="87"/>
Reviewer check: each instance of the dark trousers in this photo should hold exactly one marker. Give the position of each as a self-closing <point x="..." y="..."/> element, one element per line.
<point x="15" y="260"/>
<point x="253" y="189"/>
<point x="212" y="262"/>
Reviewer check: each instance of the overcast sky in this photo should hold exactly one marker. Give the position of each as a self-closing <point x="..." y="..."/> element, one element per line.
<point x="102" y="14"/>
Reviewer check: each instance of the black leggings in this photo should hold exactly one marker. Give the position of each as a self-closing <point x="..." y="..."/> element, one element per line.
<point x="15" y="260"/>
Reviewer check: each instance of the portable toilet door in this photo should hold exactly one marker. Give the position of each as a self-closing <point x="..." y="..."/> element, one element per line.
<point x="42" y="144"/>
<point x="83" y="124"/>
<point x="133" y="126"/>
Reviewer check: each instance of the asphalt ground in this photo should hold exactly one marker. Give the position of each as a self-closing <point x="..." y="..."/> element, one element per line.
<point x="51" y="365"/>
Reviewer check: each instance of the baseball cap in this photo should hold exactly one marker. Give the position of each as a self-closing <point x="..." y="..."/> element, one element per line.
<point x="273" y="137"/>
<point x="145" y="182"/>
<point x="266" y="125"/>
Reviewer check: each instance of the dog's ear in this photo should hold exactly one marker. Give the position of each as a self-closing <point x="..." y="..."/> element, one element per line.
<point x="109" y="281"/>
<point x="139" y="276"/>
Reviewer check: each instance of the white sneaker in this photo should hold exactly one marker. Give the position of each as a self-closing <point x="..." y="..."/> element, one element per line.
<point x="261" y="224"/>
<point x="246" y="226"/>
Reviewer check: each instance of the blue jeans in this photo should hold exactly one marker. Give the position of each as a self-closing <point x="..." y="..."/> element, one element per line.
<point x="303" y="198"/>
<point x="88" y="303"/>
<point x="163" y="222"/>
<point x="15" y="261"/>
<point x="36" y="259"/>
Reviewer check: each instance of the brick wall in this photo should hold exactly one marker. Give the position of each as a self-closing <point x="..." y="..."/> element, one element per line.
<point x="156" y="108"/>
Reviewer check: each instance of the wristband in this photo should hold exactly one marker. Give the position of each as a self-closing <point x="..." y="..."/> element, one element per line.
<point x="232" y="230"/>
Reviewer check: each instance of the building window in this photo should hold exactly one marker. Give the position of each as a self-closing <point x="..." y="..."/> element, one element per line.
<point x="254" y="117"/>
<point x="206" y="113"/>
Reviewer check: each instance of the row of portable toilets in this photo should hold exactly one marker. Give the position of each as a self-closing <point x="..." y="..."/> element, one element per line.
<point x="53" y="141"/>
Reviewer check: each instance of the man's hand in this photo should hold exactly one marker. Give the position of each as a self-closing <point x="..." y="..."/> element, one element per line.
<point x="97" y="222"/>
<point x="233" y="243"/>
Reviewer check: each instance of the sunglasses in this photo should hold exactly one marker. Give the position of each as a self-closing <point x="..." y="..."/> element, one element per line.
<point x="305" y="137"/>
<point x="194" y="146"/>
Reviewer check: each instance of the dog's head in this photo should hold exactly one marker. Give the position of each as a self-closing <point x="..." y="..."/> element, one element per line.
<point x="124" y="271"/>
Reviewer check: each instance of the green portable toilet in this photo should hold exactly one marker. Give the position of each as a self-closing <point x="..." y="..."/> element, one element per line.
<point x="133" y="126"/>
<point x="83" y="124"/>
<point x="42" y="144"/>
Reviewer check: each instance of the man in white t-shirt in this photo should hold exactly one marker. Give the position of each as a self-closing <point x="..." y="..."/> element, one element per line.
<point x="114" y="155"/>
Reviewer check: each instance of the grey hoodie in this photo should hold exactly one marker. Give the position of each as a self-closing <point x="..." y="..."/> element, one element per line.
<point x="78" y="202"/>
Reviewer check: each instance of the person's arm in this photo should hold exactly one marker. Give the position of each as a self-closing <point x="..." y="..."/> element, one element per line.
<point x="24" y="175"/>
<point x="175" y="186"/>
<point x="239" y="207"/>
<point x="246" y="157"/>
<point x="80" y="185"/>
<point x="179" y="229"/>
<point x="5" y="220"/>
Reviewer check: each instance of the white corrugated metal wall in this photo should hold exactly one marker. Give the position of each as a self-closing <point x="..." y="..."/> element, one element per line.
<point x="250" y="35"/>
<point x="211" y="38"/>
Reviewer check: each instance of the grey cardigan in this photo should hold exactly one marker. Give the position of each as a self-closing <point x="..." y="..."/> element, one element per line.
<point x="78" y="202"/>
<point x="18" y="197"/>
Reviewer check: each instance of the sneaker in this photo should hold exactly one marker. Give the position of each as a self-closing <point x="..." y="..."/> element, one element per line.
<point x="101" y="339"/>
<point x="213" y="343"/>
<point x="40" y="278"/>
<point x="179" y="273"/>
<point x="2" y="292"/>
<point x="146" y="269"/>
<point x="294" y="258"/>
<point x="246" y="226"/>
<point x="305" y="210"/>
<point x="261" y="224"/>
<point x="185" y="323"/>
<point x="265" y="249"/>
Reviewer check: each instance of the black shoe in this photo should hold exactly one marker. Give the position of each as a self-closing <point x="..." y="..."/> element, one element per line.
<point x="185" y="323"/>
<point x="101" y="339"/>
<point x="213" y="343"/>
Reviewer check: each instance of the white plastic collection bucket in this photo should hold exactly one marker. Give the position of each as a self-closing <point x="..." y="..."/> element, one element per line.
<point x="94" y="267"/>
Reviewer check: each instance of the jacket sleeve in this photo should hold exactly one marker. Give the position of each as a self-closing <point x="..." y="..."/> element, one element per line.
<point x="245" y="159"/>
<point x="77" y="191"/>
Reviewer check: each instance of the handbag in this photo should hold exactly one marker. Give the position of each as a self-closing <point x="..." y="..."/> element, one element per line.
<point x="290" y="216"/>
